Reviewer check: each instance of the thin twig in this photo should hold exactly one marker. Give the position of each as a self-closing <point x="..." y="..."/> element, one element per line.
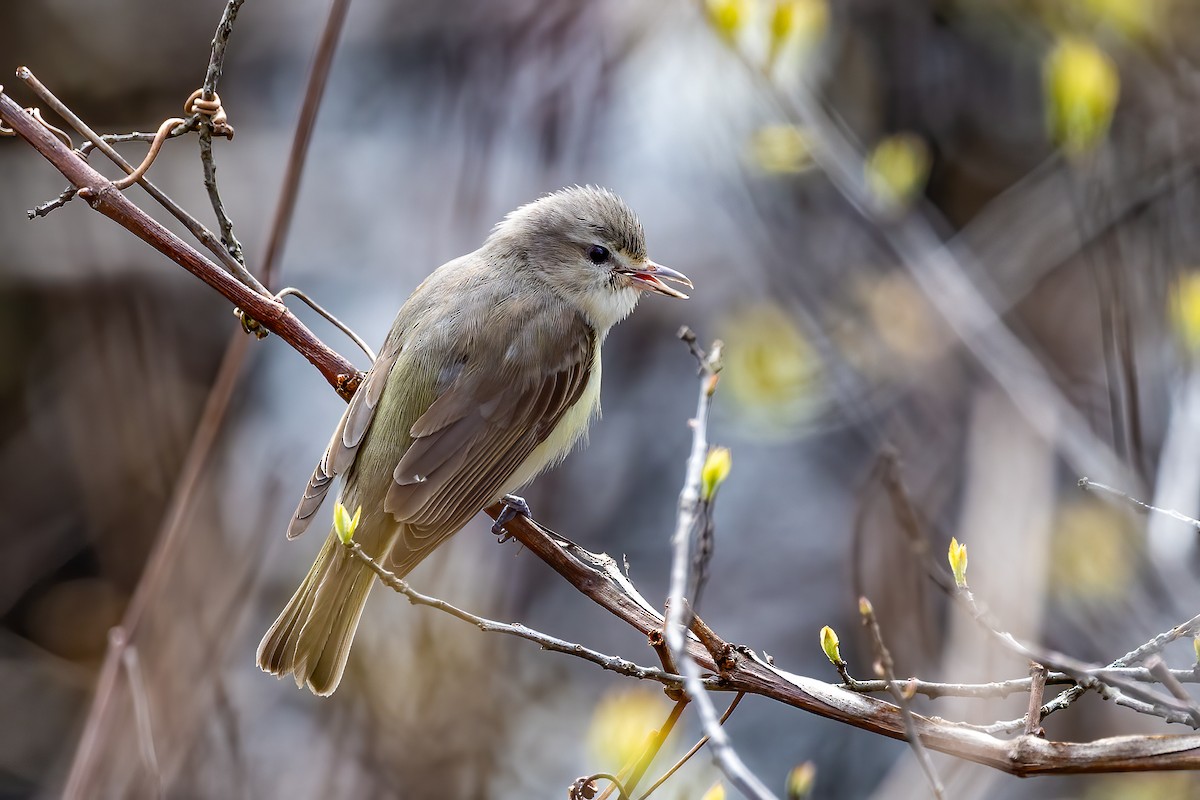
<point x="291" y="291"/>
<point x="582" y="788"/>
<point x="1089" y="676"/>
<point x="544" y="640"/>
<point x="1158" y="668"/>
<point x="141" y="712"/>
<point x="103" y="197"/>
<point x="1090" y="485"/>
<point x="694" y="749"/>
<point x="194" y="226"/>
<point x="676" y="631"/>
<point x="1037" y="689"/>
<point x="212" y="76"/>
<point x="314" y="91"/>
<point x="654" y="744"/>
<point x="887" y="667"/>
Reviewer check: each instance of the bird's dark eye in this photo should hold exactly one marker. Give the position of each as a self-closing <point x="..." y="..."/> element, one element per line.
<point x="598" y="254"/>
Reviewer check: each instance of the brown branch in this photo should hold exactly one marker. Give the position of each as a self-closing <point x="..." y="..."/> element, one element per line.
<point x="105" y="198"/>
<point x="597" y="577"/>
<point x="1037" y="689"/>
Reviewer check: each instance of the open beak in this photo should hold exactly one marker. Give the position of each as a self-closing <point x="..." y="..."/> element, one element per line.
<point x="651" y="277"/>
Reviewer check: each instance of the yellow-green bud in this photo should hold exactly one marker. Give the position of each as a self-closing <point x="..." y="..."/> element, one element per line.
<point x="958" y="563"/>
<point x="801" y="780"/>
<point x="829" y="643"/>
<point x="864" y="607"/>
<point x="344" y="524"/>
<point x="716" y="470"/>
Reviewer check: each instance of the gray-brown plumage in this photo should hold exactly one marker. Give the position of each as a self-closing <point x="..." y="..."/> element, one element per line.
<point x="490" y="373"/>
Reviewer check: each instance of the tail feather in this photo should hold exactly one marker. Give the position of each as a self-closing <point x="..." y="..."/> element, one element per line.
<point x="312" y="636"/>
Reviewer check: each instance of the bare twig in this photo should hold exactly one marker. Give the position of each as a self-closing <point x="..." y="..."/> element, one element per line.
<point x="314" y="91"/>
<point x="887" y="667"/>
<point x="102" y="196"/>
<point x="1037" y="689"/>
<point x="141" y="711"/>
<point x="676" y="629"/>
<point x="1090" y="485"/>
<point x="691" y="752"/>
<point x="337" y="323"/>
<point x="654" y="744"/>
<point x="202" y="234"/>
<point x="1158" y="668"/>
<point x="544" y="640"/>
<point x="599" y="578"/>
<point x="585" y="789"/>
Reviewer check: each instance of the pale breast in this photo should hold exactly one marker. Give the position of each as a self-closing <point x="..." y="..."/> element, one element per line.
<point x="566" y="434"/>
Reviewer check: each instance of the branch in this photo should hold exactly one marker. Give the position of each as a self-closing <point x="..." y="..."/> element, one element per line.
<point x="544" y="640"/>
<point x="690" y="515"/>
<point x="102" y="196"/>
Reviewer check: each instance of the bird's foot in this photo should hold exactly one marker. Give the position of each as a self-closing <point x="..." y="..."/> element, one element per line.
<point x="513" y="507"/>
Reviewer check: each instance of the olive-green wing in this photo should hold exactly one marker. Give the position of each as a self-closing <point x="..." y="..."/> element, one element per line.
<point x="347" y="436"/>
<point x="507" y="398"/>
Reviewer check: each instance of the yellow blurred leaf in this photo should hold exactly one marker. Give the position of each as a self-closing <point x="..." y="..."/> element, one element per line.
<point x="903" y="321"/>
<point x="771" y="372"/>
<point x="621" y="724"/>
<point x="716" y="792"/>
<point x="801" y="22"/>
<point x="1082" y="87"/>
<point x="1185" y="311"/>
<point x="728" y="16"/>
<point x="1092" y="552"/>
<point x="897" y="170"/>
<point x="1134" y="19"/>
<point x="780" y="149"/>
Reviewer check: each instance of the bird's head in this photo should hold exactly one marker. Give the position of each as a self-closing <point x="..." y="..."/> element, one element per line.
<point x="590" y="248"/>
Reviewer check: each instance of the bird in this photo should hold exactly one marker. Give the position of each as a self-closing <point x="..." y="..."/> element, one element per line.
<point x="489" y="374"/>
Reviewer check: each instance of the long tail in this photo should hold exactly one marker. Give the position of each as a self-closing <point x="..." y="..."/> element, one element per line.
<point x="312" y="637"/>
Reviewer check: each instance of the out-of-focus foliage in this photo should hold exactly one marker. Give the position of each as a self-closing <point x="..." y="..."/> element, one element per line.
<point x="801" y="781"/>
<point x="897" y="170"/>
<point x="1082" y="86"/>
<point x="1091" y="553"/>
<point x="772" y="374"/>
<point x="622" y="724"/>
<point x="442" y="117"/>
<point x="1185" y="310"/>
<point x="780" y="149"/>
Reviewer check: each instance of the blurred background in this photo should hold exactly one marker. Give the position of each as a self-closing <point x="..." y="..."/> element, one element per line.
<point x="1050" y="145"/>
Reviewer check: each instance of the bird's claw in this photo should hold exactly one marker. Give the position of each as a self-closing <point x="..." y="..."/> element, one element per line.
<point x="513" y="507"/>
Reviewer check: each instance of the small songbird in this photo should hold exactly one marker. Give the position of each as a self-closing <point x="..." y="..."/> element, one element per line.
<point x="489" y="374"/>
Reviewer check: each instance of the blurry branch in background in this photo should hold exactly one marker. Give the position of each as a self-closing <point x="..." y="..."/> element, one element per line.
<point x="706" y="662"/>
<point x="950" y="279"/>
<point x="250" y="295"/>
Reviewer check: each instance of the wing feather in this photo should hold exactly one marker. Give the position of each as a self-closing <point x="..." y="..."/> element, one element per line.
<point x="347" y="437"/>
